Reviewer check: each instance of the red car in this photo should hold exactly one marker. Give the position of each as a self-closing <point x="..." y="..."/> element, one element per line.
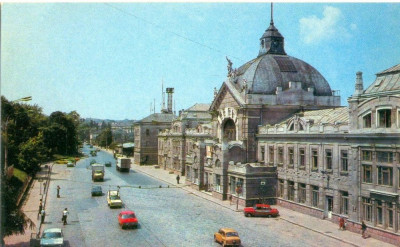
<point x="127" y="219"/>
<point x="261" y="210"/>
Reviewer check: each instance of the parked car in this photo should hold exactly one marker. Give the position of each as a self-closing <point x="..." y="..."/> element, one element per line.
<point x="113" y="199"/>
<point x="227" y="236"/>
<point x="108" y="164"/>
<point x="127" y="219"/>
<point x="261" y="210"/>
<point x="97" y="191"/>
<point x="52" y="237"/>
<point x="70" y="164"/>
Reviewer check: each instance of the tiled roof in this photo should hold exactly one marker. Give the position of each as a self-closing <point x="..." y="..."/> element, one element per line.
<point x="158" y="117"/>
<point x="199" y="107"/>
<point x="387" y="80"/>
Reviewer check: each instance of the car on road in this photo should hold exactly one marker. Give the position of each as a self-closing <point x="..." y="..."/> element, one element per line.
<point x="127" y="219"/>
<point x="227" y="237"/>
<point x="97" y="191"/>
<point x="113" y="199"/>
<point x="70" y="164"/>
<point x="52" y="237"/>
<point x="108" y="164"/>
<point x="261" y="210"/>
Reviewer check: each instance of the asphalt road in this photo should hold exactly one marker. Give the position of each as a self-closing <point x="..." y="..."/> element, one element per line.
<point x="167" y="216"/>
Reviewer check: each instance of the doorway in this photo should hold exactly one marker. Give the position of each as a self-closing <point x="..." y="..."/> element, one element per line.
<point x="329" y="206"/>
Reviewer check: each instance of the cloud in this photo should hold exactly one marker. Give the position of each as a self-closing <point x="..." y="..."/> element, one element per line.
<point x="330" y="26"/>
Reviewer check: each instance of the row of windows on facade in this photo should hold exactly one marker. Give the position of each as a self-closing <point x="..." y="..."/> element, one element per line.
<point x="314" y="196"/>
<point x="302" y="157"/>
<point x="381" y="156"/>
<point x="377" y="212"/>
<point x="383" y="119"/>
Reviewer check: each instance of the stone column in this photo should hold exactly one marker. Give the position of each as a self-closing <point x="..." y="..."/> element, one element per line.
<point x="296" y="198"/>
<point x="308" y="195"/>
<point x="285" y="189"/>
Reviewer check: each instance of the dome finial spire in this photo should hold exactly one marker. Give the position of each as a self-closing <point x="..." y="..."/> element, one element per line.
<point x="272" y="14"/>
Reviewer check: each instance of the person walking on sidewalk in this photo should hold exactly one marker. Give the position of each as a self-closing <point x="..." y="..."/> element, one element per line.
<point x="43" y="214"/>
<point x="58" y="191"/>
<point x="363" y="229"/>
<point x="341" y="223"/>
<point x="177" y="179"/>
<point x="40" y="208"/>
<point x="64" y="216"/>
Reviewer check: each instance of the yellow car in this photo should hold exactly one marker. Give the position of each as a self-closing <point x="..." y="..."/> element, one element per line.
<point x="113" y="199"/>
<point x="227" y="237"/>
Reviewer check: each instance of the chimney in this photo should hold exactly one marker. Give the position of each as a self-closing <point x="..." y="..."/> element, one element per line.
<point x="359" y="84"/>
<point x="169" y="91"/>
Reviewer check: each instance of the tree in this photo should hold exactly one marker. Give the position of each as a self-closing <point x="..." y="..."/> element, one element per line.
<point x="32" y="154"/>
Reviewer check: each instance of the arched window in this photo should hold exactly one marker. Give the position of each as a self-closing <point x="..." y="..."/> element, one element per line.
<point x="229" y="131"/>
<point x="217" y="163"/>
<point x="291" y="127"/>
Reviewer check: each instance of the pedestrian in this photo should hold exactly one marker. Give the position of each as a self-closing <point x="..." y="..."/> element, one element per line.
<point x="40" y="207"/>
<point x="177" y="179"/>
<point x="58" y="191"/>
<point x="363" y="229"/>
<point x="341" y="223"/>
<point x="64" y="216"/>
<point x="43" y="214"/>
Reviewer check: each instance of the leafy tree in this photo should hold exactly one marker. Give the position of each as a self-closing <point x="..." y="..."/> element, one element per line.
<point x="32" y="154"/>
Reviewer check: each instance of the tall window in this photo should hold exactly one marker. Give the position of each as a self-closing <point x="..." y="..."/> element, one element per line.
<point x="240" y="182"/>
<point x="302" y="193"/>
<point x="218" y="182"/>
<point x="302" y="158"/>
<point x="314" y="159"/>
<point x="379" y="212"/>
<point x="367" y="121"/>
<point x="147" y="132"/>
<point x="390" y="214"/>
<point x="291" y="156"/>
<point x="367" y="173"/>
<point x="290" y="191"/>
<point x="281" y="188"/>
<point x="344" y="202"/>
<point x="384" y="118"/>
<point x="280" y="155"/>
<point x="344" y="161"/>
<point x="385" y="175"/>
<point x="328" y="159"/>
<point x="366" y="155"/>
<point x="229" y="130"/>
<point x="233" y="185"/>
<point x="386" y="157"/>
<point x="262" y="153"/>
<point x="315" y="196"/>
<point x="367" y="209"/>
<point x="271" y="155"/>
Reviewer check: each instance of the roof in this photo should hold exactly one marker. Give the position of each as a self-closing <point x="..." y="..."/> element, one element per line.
<point x="199" y="107"/>
<point x="128" y="145"/>
<point x="332" y="115"/>
<point x="157" y="117"/>
<point x="228" y="229"/>
<point x="387" y="80"/>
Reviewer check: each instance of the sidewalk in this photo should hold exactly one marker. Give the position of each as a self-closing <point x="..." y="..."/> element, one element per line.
<point x="30" y="207"/>
<point x="314" y="224"/>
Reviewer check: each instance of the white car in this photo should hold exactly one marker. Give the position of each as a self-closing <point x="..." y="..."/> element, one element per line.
<point x="52" y="237"/>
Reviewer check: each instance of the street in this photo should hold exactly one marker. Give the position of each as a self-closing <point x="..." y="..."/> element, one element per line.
<point x="167" y="216"/>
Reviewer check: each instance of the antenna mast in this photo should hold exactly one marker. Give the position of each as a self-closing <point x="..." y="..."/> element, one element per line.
<point x="272" y="13"/>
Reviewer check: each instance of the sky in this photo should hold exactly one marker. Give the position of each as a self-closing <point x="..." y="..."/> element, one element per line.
<point x="109" y="60"/>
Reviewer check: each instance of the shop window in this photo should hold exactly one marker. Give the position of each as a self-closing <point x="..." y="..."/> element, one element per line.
<point x="218" y="182"/>
<point x="379" y="212"/>
<point x="344" y="162"/>
<point x="385" y="175"/>
<point x="344" y="202"/>
<point x="367" y="209"/>
<point x="291" y="156"/>
<point x="314" y="159"/>
<point x="302" y="158"/>
<point x="328" y="159"/>
<point x="367" y="121"/>
<point x="302" y="193"/>
<point x="290" y="191"/>
<point x="315" y="196"/>
<point x="384" y="118"/>
<point x="367" y="173"/>
<point x="271" y="155"/>
<point x="233" y="185"/>
<point x="386" y="157"/>
<point x="366" y="155"/>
